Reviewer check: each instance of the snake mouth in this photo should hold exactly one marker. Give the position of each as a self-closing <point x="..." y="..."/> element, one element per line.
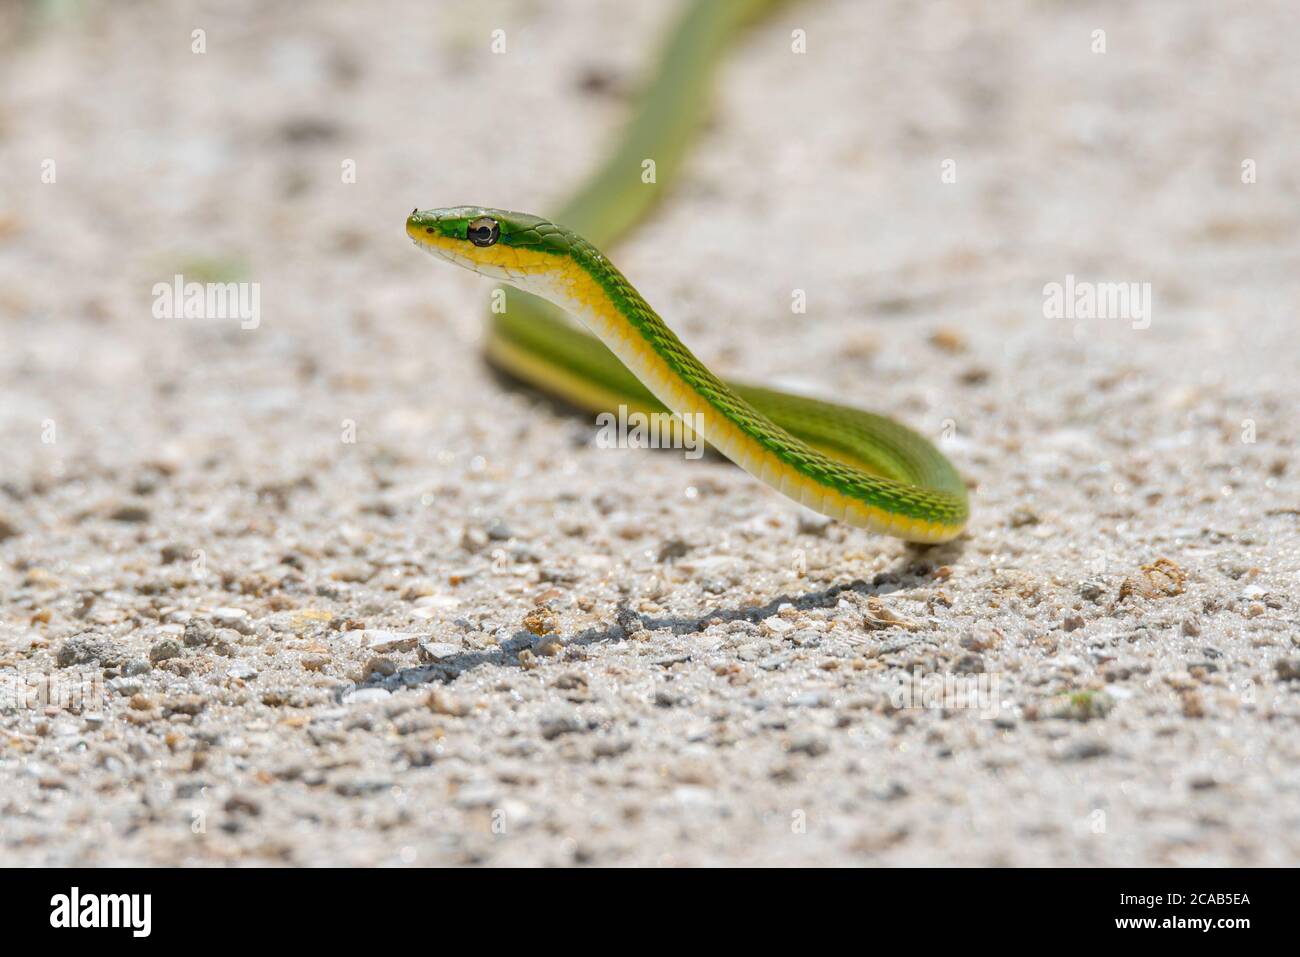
<point x="457" y="253"/>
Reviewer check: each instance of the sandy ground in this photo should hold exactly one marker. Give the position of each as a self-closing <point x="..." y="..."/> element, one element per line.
<point x="349" y="600"/>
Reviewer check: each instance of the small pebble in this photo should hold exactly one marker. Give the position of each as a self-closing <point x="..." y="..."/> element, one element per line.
<point x="165" y="649"/>
<point x="86" y="648"/>
<point x="1085" y="750"/>
<point x="432" y="651"/>
<point x="314" y="662"/>
<point x="552" y="728"/>
<point x="811" y="744"/>
<point x="384" y="642"/>
<point x="199" y="632"/>
<point x="443" y="702"/>
<point x="366" y="695"/>
<point x="1091" y="590"/>
<point x="549" y="646"/>
<point x="131" y="512"/>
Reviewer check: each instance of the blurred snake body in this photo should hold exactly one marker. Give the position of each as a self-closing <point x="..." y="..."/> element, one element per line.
<point x="860" y="468"/>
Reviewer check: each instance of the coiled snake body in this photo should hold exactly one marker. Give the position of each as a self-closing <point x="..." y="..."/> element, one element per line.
<point x="851" y="465"/>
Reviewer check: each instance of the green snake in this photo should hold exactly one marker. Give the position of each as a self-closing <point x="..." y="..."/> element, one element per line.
<point x="864" y="469"/>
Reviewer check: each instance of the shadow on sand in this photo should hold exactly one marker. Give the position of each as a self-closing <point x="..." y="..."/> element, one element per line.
<point x="913" y="568"/>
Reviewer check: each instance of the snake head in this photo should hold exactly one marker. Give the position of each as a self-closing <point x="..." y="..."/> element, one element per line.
<point x="492" y="242"/>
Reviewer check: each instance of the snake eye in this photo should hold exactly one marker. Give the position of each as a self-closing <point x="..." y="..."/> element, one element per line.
<point x="484" y="231"/>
